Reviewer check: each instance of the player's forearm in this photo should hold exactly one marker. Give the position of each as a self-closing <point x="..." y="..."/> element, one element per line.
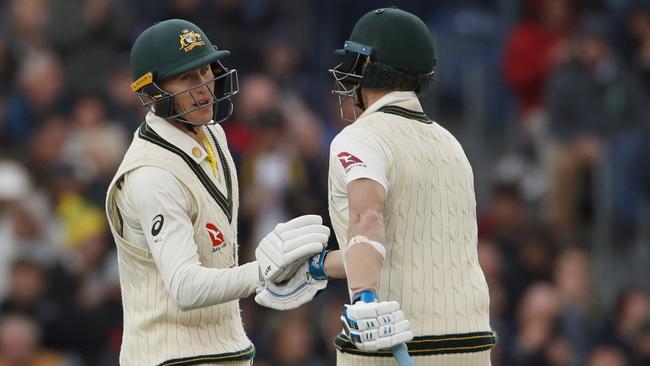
<point x="365" y="254"/>
<point x="364" y="260"/>
<point x="195" y="286"/>
<point x="369" y="223"/>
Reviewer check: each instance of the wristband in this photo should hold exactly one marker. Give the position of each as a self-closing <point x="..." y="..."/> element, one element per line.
<point x="365" y="296"/>
<point x="317" y="266"/>
<point x="379" y="247"/>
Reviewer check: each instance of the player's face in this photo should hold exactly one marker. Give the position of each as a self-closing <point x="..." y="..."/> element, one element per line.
<point x="193" y="94"/>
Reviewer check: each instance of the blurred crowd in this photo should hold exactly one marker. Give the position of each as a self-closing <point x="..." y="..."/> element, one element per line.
<point x="550" y="99"/>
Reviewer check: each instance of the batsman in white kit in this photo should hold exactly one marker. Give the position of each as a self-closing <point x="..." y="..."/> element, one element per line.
<point x="172" y="209"/>
<point x="402" y="204"/>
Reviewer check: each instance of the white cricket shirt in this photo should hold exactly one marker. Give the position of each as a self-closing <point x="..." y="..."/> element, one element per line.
<point x="149" y="191"/>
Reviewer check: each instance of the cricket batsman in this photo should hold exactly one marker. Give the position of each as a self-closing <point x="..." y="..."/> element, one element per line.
<point x="402" y="204"/>
<point x="172" y="209"/>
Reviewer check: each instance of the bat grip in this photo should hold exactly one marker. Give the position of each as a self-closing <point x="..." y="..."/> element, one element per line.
<point x="401" y="354"/>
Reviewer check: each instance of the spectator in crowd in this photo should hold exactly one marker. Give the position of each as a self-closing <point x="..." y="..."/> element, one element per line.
<point x="88" y="35"/>
<point x="626" y="161"/>
<point x="571" y="278"/>
<point x="61" y="323"/>
<point x="24" y="28"/>
<point x="607" y="356"/>
<point x="629" y="324"/>
<point x="271" y="173"/>
<point x="293" y="341"/>
<point x="122" y="108"/>
<point x="642" y="342"/>
<point x="15" y="185"/>
<point x="46" y="148"/>
<point x="39" y="94"/>
<point x="95" y="145"/>
<point x="258" y="93"/>
<point x="592" y="101"/>
<point x="638" y="33"/>
<point x="20" y="344"/>
<point x="534" y="48"/>
<point x="7" y="68"/>
<point x="536" y="326"/>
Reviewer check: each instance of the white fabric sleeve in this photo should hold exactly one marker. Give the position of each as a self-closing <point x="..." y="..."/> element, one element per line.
<point x="155" y="191"/>
<point x="357" y="153"/>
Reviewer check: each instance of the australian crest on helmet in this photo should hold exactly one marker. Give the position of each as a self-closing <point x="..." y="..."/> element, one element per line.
<point x="190" y="39"/>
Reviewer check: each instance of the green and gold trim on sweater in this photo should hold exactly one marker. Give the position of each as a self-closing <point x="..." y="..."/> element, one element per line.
<point x="224" y="201"/>
<point x="406" y="113"/>
<point x="246" y="354"/>
<point x="428" y="345"/>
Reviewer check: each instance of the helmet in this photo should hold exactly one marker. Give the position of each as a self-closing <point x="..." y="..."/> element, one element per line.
<point x="399" y="48"/>
<point x="171" y="48"/>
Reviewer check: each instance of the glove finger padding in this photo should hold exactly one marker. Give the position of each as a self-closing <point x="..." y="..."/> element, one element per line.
<point x="300" y="221"/>
<point x="383" y="330"/>
<point x="362" y="310"/>
<point x="304" y="230"/>
<point x="298" y="290"/>
<point x="290" y="242"/>
<point x="305" y="247"/>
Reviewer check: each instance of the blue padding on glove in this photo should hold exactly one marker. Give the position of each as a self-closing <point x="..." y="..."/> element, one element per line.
<point x="317" y="266"/>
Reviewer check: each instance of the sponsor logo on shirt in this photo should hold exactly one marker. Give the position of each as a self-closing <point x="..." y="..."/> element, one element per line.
<point x="216" y="236"/>
<point x="349" y="161"/>
<point x="157" y="225"/>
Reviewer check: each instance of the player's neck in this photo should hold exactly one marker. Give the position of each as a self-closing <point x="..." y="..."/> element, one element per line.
<point x="195" y="132"/>
<point x="370" y="96"/>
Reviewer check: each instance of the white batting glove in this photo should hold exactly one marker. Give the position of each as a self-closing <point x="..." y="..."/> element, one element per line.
<point x="289" y="245"/>
<point x="374" y="326"/>
<point x="298" y="290"/>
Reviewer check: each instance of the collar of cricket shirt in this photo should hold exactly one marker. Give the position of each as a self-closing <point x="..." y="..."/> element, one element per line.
<point x="404" y="99"/>
<point x="177" y="137"/>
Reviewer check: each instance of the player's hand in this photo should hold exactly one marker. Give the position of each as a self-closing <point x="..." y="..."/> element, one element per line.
<point x="374" y="326"/>
<point x="298" y="290"/>
<point x="289" y="245"/>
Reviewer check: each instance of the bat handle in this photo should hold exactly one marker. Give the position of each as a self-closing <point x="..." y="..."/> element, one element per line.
<point x="401" y="354"/>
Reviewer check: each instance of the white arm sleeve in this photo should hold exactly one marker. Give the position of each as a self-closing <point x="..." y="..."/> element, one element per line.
<point x="357" y="153"/>
<point x="154" y="191"/>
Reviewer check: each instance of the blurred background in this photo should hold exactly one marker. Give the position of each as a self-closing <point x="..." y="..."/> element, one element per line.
<point x="549" y="98"/>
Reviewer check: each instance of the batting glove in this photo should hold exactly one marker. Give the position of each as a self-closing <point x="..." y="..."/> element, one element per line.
<point x="373" y="325"/>
<point x="289" y="245"/>
<point x="298" y="290"/>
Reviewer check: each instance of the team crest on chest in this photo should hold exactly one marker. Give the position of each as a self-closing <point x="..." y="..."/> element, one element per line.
<point x="190" y="39"/>
<point x="216" y="237"/>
